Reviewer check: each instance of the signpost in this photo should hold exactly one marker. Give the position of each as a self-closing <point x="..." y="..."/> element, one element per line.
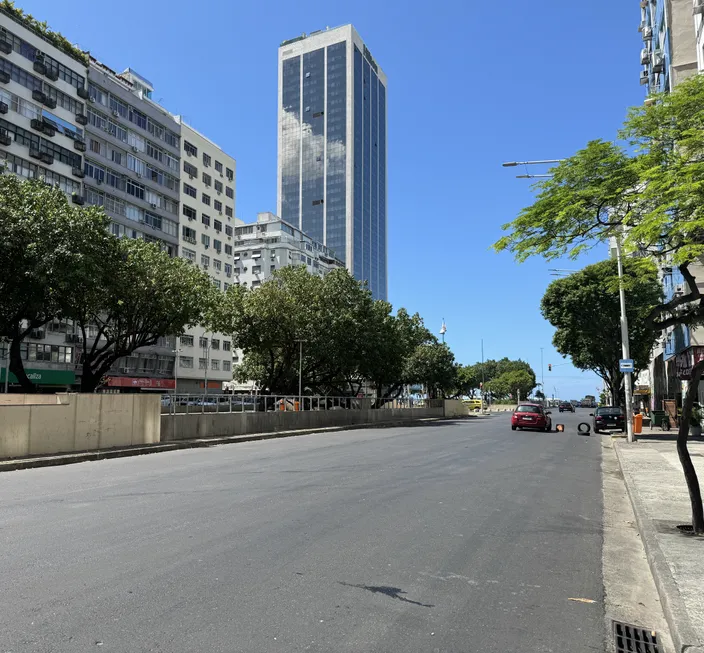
<point x="626" y="365"/>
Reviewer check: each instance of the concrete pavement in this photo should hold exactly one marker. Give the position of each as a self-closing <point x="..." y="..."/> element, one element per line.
<point x="451" y="536"/>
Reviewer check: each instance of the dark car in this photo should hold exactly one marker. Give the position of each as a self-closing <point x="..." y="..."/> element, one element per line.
<point x="609" y="418"/>
<point x="566" y="405"/>
<point x="531" y="416"/>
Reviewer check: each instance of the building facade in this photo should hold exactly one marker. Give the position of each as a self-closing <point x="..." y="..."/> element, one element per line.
<point x="332" y="138"/>
<point x="207" y="195"/>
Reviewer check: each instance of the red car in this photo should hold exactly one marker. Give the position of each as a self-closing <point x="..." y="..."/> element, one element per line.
<point x="531" y="416"/>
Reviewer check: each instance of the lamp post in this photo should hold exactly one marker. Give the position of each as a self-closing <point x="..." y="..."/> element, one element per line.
<point x="176" y="362"/>
<point x="300" y="371"/>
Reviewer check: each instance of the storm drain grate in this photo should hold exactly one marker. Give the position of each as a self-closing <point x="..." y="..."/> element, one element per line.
<point x="634" y="639"/>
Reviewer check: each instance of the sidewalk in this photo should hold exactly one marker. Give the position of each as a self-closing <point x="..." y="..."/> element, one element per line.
<point x="656" y="486"/>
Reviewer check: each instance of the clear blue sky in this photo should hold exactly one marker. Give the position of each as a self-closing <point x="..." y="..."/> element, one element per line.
<point x="471" y="84"/>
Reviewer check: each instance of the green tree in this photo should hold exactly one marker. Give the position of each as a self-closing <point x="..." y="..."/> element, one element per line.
<point x="433" y="365"/>
<point x="50" y="251"/>
<point x="651" y="196"/>
<point x="584" y="308"/>
<point x="142" y="295"/>
<point x="512" y="383"/>
<point x="469" y="378"/>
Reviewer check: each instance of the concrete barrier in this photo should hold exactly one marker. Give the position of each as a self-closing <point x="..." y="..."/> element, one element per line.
<point x="209" y="425"/>
<point x="36" y="425"/>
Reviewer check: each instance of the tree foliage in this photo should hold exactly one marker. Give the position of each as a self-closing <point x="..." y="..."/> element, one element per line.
<point x="584" y="308"/>
<point x="433" y="365"/>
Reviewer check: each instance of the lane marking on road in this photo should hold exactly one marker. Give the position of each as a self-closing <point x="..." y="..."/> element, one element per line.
<point x="582" y="600"/>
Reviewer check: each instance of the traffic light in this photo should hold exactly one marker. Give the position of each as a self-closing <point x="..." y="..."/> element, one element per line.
<point x="549" y="367"/>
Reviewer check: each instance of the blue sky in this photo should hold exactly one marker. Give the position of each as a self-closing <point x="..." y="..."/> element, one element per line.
<point x="471" y="84"/>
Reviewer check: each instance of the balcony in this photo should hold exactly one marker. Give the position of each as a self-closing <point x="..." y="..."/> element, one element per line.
<point x="4" y="77"/>
<point x="81" y="119"/>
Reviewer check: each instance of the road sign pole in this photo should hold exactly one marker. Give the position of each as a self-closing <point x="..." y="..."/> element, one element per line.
<point x="624" y="340"/>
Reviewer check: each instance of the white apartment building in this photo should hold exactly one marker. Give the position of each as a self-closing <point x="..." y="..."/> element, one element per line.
<point x="207" y="195"/>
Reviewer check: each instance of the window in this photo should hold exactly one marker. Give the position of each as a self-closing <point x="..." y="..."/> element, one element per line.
<point x="217" y="225"/>
<point x="227" y="366"/>
<point x="235" y="358"/>
<point x="190" y="149"/>
<point x="205" y="261"/>
<point x="228" y="230"/>
<point x="256" y="269"/>
<point x="119" y="106"/>
<point x="138" y="118"/>
<point x="189" y="190"/>
<point x="228" y="270"/>
<point x="228" y="211"/>
<point x="218" y="186"/>
<point x="217" y="204"/>
<point x="226" y="345"/>
<point x="202" y="364"/>
<point x="203" y="342"/>
<point x="256" y="284"/>
<point x="186" y="362"/>
<point x="190" y="169"/>
<point x="230" y="174"/>
<point x="135" y="189"/>
<point x="218" y="167"/>
<point x="187" y="341"/>
<point x="215" y="364"/>
<point x="207" y="160"/>
<point x="225" y="286"/>
<point x="153" y="220"/>
<point x="136" y="141"/>
<point x="272" y="269"/>
<point x="217" y="264"/>
<point x="205" y="240"/>
<point x="96" y="146"/>
<point x="205" y="199"/>
<point x="228" y="250"/>
<point x="205" y="219"/>
<point x="188" y="254"/>
<point x="207" y="180"/>
<point x="189" y="235"/>
<point x="529" y="409"/>
<point x="215" y="343"/>
<point x="230" y="193"/>
<point x="190" y="213"/>
<point x="217" y="245"/>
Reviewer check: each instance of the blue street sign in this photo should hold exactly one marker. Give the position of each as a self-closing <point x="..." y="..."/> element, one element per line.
<point x="626" y="365"/>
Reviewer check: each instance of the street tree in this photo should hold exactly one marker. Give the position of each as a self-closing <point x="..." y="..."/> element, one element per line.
<point x="433" y="365"/>
<point x="585" y="310"/>
<point x="650" y="194"/>
<point x="514" y="383"/>
<point x="49" y="251"/>
<point x="142" y="296"/>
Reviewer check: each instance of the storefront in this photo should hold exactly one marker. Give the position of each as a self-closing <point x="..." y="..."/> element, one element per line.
<point x="684" y="362"/>
<point x="138" y="384"/>
<point x="50" y="380"/>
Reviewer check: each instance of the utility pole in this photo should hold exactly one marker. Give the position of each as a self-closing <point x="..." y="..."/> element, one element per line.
<point x="542" y="375"/>
<point x="300" y="372"/>
<point x="625" y="347"/>
<point x="481" y="394"/>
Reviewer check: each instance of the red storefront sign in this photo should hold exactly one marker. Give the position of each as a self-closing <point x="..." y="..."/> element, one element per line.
<point x="135" y="382"/>
<point x="686" y="360"/>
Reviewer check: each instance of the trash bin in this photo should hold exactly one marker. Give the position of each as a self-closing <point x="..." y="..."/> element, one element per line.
<point x="638" y="423"/>
<point x="658" y="417"/>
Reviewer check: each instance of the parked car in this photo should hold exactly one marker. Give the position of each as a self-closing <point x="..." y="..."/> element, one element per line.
<point x="566" y="405"/>
<point x="609" y="417"/>
<point x="531" y="416"/>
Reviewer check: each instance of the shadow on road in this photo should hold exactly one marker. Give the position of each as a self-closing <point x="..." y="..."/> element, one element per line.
<point x="393" y="592"/>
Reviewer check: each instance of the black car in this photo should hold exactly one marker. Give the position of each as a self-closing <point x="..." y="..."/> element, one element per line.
<point x="565" y="405"/>
<point x="609" y="418"/>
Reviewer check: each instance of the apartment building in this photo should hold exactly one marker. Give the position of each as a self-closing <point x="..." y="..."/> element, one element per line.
<point x="43" y="98"/>
<point x="207" y="196"/>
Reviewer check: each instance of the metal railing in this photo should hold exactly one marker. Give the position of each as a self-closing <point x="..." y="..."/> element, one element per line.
<point x="195" y="404"/>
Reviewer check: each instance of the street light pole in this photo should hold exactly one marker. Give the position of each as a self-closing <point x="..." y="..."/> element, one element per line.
<point x="542" y="375"/>
<point x="300" y="371"/>
<point x="625" y="347"/>
<point x="481" y="394"/>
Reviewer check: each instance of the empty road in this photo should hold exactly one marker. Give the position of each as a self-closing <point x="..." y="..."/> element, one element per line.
<point x="449" y="537"/>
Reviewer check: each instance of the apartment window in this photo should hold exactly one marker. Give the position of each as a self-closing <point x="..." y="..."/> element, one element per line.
<point x="186" y="362"/>
<point x="226" y="345"/>
<point x="190" y="213"/>
<point x="228" y="211"/>
<point x="96" y="146"/>
<point x="218" y="167"/>
<point x="138" y="118"/>
<point x="203" y="342"/>
<point x="228" y="230"/>
<point x="205" y="240"/>
<point x="215" y="343"/>
<point x="214" y="364"/>
<point x="235" y="358"/>
<point x="190" y="169"/>
<point x="217" y="225"/>
<point x="218" y="186"/>
<point x="202" y="363"/>
<point x="256" y="269"/>
<point x="207" y="160"/>
<point x="189" y="235"/>
<point x="189" y="190"/>
<point x="207" y="180"/>
<point x="217" y="245"/>
<point x="272" y="269"/>
<point x="205" y="219"/>
<point x="225" y="286"/>
<point x="217" y="205"/>
<point x="228" y="270"/>
<point x="135" y="189"/>
<point x="217" y="264"/>
<point x="187" y="341"/>
<point x="229" y="192"/>
<point x="230" y="174"/>
<point x="205" y="199"/>
<point x="227" y="366"/>
<point x="190" y="149"/>
<point x="188" y="254"/>
<point x="205" y="261"/>
<point x="216" y="283"/>
<point x="119" y="106"/>
<point x="228" y="250"/>
<point x="256" y="284"/>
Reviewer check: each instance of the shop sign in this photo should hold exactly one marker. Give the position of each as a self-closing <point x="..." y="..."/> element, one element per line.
<point x="684" y="361"/>
<point x="44" y="377"/>
<point x="138" y="382"/>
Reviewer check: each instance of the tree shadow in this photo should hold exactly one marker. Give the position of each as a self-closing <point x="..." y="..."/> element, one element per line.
<point x="393" y="592"/>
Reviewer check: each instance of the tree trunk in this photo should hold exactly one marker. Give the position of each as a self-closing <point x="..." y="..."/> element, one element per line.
<point x="17" y="367"/>
<point x="690" y="474"/>
<point x="89" y="380"/>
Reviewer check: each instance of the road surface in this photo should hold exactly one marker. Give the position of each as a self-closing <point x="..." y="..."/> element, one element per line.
<point x="453" y="536"/>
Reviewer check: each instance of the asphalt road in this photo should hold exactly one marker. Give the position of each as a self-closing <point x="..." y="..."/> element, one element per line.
<point x="458" y="536"/>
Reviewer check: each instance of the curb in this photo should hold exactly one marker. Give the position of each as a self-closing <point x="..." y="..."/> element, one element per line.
<point x="684" y="637"/>
<point x="161" y="447"/>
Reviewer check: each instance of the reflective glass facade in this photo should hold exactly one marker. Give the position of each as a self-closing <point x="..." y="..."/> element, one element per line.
<point x="291" y="140"/>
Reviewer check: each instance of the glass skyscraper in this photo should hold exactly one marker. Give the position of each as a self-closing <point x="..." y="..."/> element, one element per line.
<point x="332" y="148"/>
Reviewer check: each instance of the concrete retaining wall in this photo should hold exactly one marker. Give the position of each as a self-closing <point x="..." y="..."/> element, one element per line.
<point x="208" y="425"/>
<point x="77" y="422"/>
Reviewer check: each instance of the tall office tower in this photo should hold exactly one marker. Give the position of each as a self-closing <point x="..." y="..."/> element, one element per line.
<point x="332" y="149"/>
